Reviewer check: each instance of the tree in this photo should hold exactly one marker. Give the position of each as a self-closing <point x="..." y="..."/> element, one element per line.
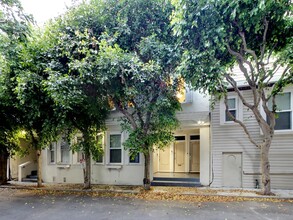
<point x="142" y="92"/>
<point x="254" y="35"/>
<point x="13" y="31"/>
<point x="75" y="83"/>
<point x="138" y="57"/>
<point x="42" y="119"/>
<point x="85" y="58"/>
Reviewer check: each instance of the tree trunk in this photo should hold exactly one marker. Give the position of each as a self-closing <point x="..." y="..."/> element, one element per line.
<point x="146" y="180"/>
<point x="39" y="169"/>
<point x="3" y="166"/>
<point x="87" y="172"/>
<point x="265" y="167"/>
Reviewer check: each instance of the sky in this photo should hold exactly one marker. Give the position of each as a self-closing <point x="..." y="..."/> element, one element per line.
<point x="43" y="10"/>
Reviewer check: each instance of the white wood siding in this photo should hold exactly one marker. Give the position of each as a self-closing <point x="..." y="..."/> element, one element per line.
<point x="231" y="138"/>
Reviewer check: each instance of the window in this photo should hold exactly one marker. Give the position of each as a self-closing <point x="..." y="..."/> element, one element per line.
<point x="179" y="138"/>
<point x="115" y="148"/>
<point x="99" y="159"/>
<point x="134" y="159"/>
<point x="194" y="137"/>
<point x="284" y="111"/>
<point x="80" y="154"/>
<point x="100" y="143"/>
<point x="231" y="108"/>
<point x="65" y="152"/>
<point x="235" y="107"/>
<point x="80" y="157"/>
<point x="52" y="153"/>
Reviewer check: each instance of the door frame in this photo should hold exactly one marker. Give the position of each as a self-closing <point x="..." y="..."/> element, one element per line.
<point x="241" y="172"/>
<point x="170" y="158"/>
<point x="190" y="156"/>
<point x="185" y="153"/>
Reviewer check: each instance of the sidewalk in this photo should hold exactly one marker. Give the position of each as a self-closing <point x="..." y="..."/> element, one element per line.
<point x="155" y="190"/>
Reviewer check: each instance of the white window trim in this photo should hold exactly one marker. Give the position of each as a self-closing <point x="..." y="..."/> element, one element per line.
<point x="239" y="110"/>
<point x="108" y="148"/>
<point x="54" y="144"/>
<point x="104" y="153"/>
<point x="284" y="131"/>
<point x="132" y="163"/>
<point x="59" y="154"/>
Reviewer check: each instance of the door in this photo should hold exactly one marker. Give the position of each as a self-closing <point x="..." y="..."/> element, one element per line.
<point x="232" y="170"/>
<point x="164" y="160"/>
<point x="194" y="156"/>
<point x="179" y="156"/>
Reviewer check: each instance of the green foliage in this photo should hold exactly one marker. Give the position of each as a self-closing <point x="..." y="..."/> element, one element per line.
<point x="207" y="28"/>
<point x="14" y="27"/>
<point x="95" y="144"/>
<point x="74" y="82"/>
<point x="254" y="35"/>
<point x="138" y="58"/>
<point x="13" y="20"/>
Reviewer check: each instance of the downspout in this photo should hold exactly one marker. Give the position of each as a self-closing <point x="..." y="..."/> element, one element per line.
<point x="211" y="171"/>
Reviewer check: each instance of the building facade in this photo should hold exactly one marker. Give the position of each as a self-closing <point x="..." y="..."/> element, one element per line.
<point x="235" y="162"/>
<point x="190" y="153"/>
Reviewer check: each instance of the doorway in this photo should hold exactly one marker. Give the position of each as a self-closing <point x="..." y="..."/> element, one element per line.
<point x="179" y="156"/>
<point x="232" y="170"/>
<point x="164" y="160"/>
<point x="194" y="156"/>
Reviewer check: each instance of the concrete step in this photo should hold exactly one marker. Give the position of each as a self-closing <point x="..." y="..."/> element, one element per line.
<point x="34" y="180"/>
<point x="182" y="179"/>
<point x="175" y="183"/>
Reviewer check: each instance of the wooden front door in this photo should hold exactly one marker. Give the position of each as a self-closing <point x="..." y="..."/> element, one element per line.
<point x="232" y="170"/>
<point x="164" y="160"/>
<point x="194" y="152"/>
<point x="179" y="156"/>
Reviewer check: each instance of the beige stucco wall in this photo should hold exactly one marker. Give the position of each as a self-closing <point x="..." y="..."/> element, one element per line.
<point x="17" y="160"/>
<point x="194" y="116"/>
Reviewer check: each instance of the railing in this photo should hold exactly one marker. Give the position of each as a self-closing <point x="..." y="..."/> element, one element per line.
<point x="24" y="170"/>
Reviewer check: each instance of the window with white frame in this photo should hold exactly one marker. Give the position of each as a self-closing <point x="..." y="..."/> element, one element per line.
<point x="134" y="158"/>
<point x="80" y="154"/>
<point x="65" y="152"/>
<point x="52" y="153"/>
<point x="235" y="107"/>
<point x="115" y="148"/>
<point x="100" y="141"/>
<point x="232" y="108"/>
<point x="283" y="110"/>
<point x="80" y="157"/>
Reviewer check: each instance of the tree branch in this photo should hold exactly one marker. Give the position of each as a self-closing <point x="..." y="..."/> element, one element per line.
<point x="240" y="123"/>
<point x="251" y="52"/>
<point x="276" y="87"/>
<point x="241" y="66"/>
<point x="138" y="112"/>
<point x="264" y="40"/>
<point x="149" y="113"/>
<point x="126" y="113"/>
<point x="234" y="85"/>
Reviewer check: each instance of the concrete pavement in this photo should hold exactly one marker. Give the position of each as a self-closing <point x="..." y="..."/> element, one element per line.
<point x="25" y="205"/>
<point x="246" y="193"/>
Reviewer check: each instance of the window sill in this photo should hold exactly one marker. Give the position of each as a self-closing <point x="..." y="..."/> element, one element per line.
<point x="99" y="164"/>
<point x="280" y="132"/>
<point x="113" y="167"/>
<point x="134" y="164"/>
<point x="232" y="123"/>
<point x="63" y="166"/>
